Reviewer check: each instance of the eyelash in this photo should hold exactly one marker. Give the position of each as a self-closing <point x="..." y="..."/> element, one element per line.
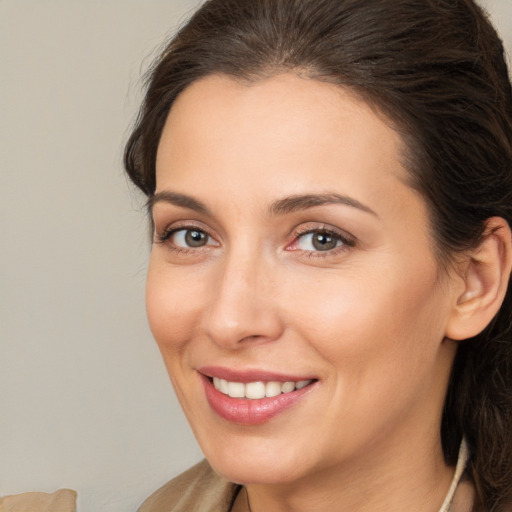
<point x="346" y="242"/>
<point x="165" y="236"/>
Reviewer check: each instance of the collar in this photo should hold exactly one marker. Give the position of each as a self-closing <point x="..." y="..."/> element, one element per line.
<point x="449" y="501"/>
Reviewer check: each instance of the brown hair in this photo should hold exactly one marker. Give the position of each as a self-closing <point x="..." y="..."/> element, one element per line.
<point x="436" y="69"/>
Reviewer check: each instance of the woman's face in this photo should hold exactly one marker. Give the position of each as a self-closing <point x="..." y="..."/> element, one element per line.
<point x="289" y="252"/>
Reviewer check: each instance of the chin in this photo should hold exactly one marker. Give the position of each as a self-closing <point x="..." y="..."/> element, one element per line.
<point x="256" y="463"/>
<point x="245" y="472"/>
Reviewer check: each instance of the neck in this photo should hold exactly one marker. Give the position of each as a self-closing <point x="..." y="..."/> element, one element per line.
<point x="402" y="479"/>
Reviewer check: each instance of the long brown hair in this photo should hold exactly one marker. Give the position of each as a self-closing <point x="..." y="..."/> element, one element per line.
<point x="436" y="69"/>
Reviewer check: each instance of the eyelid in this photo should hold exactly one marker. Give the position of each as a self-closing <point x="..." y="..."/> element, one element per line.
<point x="162" y="236"/>
<point x="348" y="240"/>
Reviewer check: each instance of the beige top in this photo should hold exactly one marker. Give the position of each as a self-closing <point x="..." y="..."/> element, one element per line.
<point x="200" y="489"/>
<point x="63" y="500"/>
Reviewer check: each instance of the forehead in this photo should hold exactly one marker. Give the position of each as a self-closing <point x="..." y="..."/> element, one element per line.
<point x="283" y="116"/>
<point x="283" y="135"/>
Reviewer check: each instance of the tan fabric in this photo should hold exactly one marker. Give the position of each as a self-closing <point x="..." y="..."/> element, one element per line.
<point x="63" y="500"/>
<point x="460" y="496"/>
<point x="464" y="497"/>
<point x="199" y="489"/>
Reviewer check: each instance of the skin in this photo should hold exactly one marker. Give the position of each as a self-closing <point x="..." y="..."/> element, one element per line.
<point x="368" y="318"/>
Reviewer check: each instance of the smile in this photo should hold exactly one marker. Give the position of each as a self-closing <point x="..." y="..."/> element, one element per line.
<point x="257" y="390"/>
<point x="253" y="397"/>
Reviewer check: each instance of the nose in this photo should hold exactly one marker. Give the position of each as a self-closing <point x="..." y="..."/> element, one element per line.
<point x="243" y="306"/>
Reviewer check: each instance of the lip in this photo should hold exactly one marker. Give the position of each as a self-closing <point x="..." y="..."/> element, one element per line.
<point x="250" y="412"/>
<point x="246" y="376"/>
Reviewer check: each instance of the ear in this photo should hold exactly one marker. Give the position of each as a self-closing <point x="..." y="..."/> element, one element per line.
<point x="485" y="275"/>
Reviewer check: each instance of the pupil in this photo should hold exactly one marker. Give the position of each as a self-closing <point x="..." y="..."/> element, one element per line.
<point x="323" y="242"/>
<point x="195" y="238"/>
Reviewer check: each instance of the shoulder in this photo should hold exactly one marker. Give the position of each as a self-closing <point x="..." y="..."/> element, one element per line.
<point x="199" y="489"/>
<point x="63" y="500"/>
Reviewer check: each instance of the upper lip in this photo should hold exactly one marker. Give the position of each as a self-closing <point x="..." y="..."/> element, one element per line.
<point x="250" y="375"/>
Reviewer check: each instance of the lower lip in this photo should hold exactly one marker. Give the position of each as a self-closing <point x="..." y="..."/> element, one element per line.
<point x="250" y="412"/>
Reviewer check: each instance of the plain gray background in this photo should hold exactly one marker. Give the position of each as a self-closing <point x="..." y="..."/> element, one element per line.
<point x="85" y="401"/>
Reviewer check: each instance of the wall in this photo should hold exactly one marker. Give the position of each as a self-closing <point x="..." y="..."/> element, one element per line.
<point x="85" y="401"/>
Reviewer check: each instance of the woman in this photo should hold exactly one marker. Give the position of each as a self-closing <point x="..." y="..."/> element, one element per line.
<point x="330" y="188"/>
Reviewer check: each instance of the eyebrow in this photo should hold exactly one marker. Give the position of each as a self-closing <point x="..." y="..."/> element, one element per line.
<point x="282" y="206"/>
<point x="182" y="200"/>
<point x="296" y="203"/>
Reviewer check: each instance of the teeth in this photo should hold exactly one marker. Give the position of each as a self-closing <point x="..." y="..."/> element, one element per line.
<point x="224" y="386"/>
<point x="236" y="389"/>
<point x="257" y="390"/>
<point x="287" y="387"/>
<point x="272" y="389"/>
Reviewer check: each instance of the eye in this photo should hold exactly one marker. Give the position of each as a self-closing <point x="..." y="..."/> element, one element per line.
<point x="185" y="238"/>
<point x="319" y="241"/>
<point x="190" y="238"/>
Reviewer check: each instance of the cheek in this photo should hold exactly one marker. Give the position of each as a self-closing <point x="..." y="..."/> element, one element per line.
<point x="376" y="318"/>
<point x="381" y="340"/>
<point x="173" y="306"/>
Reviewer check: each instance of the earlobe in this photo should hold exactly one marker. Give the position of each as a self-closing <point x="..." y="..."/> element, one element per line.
<point x="485" y="277"/>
